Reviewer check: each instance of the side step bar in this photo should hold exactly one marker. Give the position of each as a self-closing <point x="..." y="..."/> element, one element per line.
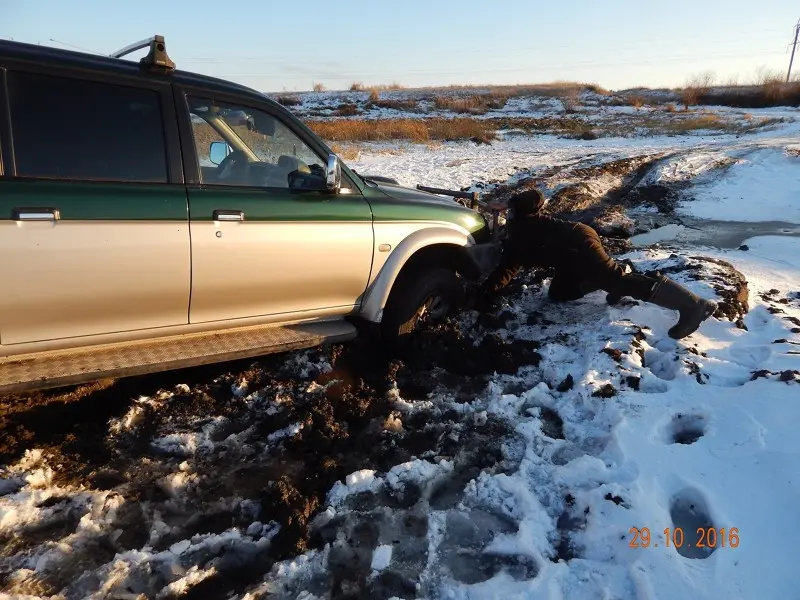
<point x="68" y="367"/>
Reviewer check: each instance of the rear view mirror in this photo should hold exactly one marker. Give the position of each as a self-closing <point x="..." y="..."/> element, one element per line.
<point x="218" y="151"/>
<point x="333" y="174"/>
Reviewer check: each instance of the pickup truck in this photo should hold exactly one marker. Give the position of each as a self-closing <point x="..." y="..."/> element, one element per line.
<point x="153" y="219"/>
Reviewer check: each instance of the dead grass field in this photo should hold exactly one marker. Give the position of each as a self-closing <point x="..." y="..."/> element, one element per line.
<point x="553" y="89"/>
<point x="416" y="130"/>
<point x="483" y="130"/>
<point x="768" y="94"/>
<point x="478" y="104"/>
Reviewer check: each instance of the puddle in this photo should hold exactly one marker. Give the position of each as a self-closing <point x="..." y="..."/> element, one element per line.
<point x="720" y="234"/>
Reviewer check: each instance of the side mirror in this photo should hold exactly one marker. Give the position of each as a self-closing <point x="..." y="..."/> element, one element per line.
<point x="333" y="174"/>
<point x="218" y="151"/>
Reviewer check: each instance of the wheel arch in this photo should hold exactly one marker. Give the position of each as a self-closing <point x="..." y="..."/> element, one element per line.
<point x="445" y="248"/>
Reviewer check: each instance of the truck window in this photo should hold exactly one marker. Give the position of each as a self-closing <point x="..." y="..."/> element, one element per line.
<point x="242" y="146"/>
<point x="64" y="128"/>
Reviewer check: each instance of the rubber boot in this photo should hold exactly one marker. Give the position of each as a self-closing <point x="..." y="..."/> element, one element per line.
<point x="693" y="309"/>
<point x="635" y="285"/>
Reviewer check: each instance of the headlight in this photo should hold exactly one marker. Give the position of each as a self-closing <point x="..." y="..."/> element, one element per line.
<point x="482" y="233"/>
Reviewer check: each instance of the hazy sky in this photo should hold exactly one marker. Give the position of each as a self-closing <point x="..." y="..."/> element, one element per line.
<point x="275" y="45"/>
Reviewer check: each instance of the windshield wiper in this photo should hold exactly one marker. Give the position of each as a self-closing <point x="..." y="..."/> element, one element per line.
<point x="366" y="179"/>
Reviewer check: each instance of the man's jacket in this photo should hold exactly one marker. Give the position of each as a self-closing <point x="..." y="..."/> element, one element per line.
<point x="540" y="241"/>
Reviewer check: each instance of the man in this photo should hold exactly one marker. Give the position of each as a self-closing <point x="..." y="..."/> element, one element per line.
<point x="581" y="265"/>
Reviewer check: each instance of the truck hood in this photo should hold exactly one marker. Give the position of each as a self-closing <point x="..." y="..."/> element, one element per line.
<point x="407" y="194"/>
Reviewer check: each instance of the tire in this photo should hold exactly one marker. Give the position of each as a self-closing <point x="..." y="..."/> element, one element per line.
<point x="419" y="297"/>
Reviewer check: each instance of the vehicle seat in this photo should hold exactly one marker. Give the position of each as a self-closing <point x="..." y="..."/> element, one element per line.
<point x="287" y="164"/>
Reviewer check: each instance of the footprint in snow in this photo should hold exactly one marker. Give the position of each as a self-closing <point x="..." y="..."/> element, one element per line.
<point x="689" y="513"/>
<point x="686" y="429"/>
<point x="664" y="365"/>
<point x="463" y="551"/>
<point x="750" y="357"/>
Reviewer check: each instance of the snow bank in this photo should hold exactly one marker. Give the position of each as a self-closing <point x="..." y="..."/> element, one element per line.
<point x="763" y="185"/>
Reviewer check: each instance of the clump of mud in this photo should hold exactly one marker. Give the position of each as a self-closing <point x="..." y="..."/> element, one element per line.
<point x="731" y="288"/>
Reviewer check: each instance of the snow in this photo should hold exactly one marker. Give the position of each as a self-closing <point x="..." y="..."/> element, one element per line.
<point x="381" y="558"/>
<point x="778" y="255"/>
<point x="355" y="483"/>
<point x="761" y="186"/>
<point x="741" y="474"/>
<point x="290" y="431"/>
<point x="454" y="165"/>
<point x="705" y="437"/>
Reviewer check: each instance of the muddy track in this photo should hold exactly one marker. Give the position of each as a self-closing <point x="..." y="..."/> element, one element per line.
<point x="600" y="194"/>
<point x="339" y="404"/>
<point x="234" y="465"/>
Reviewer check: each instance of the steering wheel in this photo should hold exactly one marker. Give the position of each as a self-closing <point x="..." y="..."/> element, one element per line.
<point x="232" y="165"/>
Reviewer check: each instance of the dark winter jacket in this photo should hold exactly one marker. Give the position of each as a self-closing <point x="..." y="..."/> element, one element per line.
<point x="537" y="240"/>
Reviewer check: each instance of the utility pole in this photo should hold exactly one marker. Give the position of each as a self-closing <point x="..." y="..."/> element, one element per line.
<point x="794" y="47"/>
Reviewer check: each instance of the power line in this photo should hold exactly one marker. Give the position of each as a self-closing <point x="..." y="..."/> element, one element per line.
<point x="794" y="47"/>
<point x="74" y="46"/>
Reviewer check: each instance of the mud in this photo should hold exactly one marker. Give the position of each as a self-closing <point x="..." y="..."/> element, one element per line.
<point x="575" y="197"/>
<point x="102" y="437"/>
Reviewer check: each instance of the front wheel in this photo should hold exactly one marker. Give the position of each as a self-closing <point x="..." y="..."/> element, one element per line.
<point x="419" y="298"/>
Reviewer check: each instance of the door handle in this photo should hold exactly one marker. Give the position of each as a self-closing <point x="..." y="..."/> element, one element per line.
<point x="35" y="213"/>
<point x="228" y="215"/>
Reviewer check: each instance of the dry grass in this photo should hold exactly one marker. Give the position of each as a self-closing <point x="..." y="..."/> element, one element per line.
<point x="317" y="87"/>
<point x="375" y="100"/>
<point x="346" y="110"/>
<point x="478" y="104"/>
<point x="637" y="101"/>
<point x="689" y="97"/>
<point x="684" y="123"/>
<point x="597" y="89"/>
<point x="358" y="86"/>
<point x="404" y="105"/>
<point x="707" y="121"/>
<point x="768" y="89"/>
<point x="417" y="130"/>
<point x="386" y="87"/>
<point x="571" y="99"/>
<point x="288" y="100"/>
<point x="346" y="151"/>
<point x="764" y="95"/>
<point x="554" y="89"/>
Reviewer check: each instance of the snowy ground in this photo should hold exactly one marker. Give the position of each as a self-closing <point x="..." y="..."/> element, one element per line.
<point x="559" y="451"/>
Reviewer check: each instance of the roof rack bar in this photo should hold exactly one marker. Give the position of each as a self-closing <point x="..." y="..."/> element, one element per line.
<point x="136" y="46"/>
<point x="156" y="58"/>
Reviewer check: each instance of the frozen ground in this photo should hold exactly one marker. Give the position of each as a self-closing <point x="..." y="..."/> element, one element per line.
<point x="557" y="451"/>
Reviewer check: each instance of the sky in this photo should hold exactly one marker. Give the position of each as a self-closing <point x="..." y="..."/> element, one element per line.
<point x="274" y="45"/>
